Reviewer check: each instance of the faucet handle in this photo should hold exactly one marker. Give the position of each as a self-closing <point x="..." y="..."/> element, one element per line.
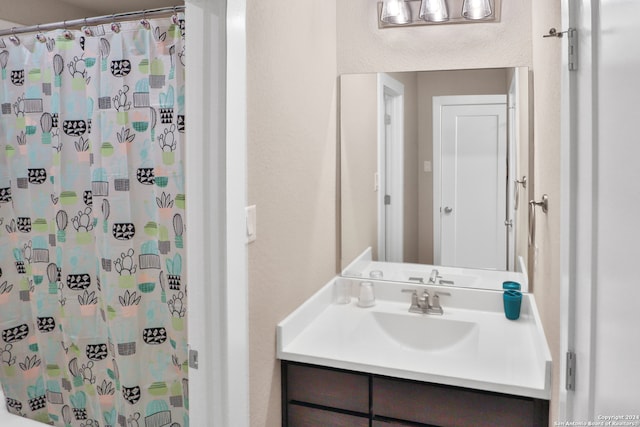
<point x="442" y="293"/>
<point x="435" y="299"/>
<point x="414" y="297"/>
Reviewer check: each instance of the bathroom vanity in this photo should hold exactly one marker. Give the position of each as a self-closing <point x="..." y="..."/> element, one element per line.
<point x="320" y="396"/>
<point x="346" y="365"/>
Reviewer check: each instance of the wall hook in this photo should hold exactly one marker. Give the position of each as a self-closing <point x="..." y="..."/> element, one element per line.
<point x="555" y="33"/>
<point x="544" y="203"/>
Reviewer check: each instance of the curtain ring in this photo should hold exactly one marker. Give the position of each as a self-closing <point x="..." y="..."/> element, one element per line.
<point x="67" y="34"/>
<point x="115" y="27"/>
<point x="40" y="37"/>
<point x="87" y="29"/>
<point x="144" y="22"/>
<point x="14" y="39"/>
<point x="174" y="18"/>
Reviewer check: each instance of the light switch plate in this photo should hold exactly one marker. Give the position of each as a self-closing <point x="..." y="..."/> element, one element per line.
<point x="250" y="214"/>
<point x="427" y="166"/>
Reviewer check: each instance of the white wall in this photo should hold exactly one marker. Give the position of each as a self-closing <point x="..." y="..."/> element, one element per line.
<point x="618" y="204"/>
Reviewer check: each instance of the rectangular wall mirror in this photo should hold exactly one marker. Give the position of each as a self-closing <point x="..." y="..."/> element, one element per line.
<point x="435" y="166"/>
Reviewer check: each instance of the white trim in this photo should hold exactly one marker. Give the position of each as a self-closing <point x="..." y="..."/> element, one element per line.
<point x="236" y="342"/>
<point x="216" y="182"/>
<point x="512" y="169"/>
<point x="197" y="248"/>
<point x="565" y="398"/>
<point x="578" y="214"/>
<point x="390" y="86"/>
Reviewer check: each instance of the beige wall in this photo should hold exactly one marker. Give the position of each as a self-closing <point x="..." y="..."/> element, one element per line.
<point x="291" y="83"/>
<point x="359" y="163"/>
<point x="358" y="142"/>
<point x="292" y="69"/>
<point x="32" y="12"/>
<point x="546" y="265"/>
<point x="362" y="47"/>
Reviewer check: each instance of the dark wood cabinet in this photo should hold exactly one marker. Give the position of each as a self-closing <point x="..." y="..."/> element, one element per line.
<point x="316" y="396"/>
<point x="445" y="406"/>
<point x="300" y="416"/>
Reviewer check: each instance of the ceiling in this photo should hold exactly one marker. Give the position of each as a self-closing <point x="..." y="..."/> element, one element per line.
<point x="33" y="12"/>
<point x="116" y="6"/>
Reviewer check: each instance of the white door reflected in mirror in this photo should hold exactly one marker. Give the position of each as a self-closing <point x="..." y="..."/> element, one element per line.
<point x="470" y="173"/>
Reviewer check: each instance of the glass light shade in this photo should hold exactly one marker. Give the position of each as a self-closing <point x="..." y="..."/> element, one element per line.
<point x="434" y="10"/>
<point x="476" y="9"/>
<point x="395" y="12"/>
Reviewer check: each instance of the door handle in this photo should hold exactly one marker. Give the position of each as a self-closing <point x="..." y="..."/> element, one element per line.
<point x="448" y="210"/>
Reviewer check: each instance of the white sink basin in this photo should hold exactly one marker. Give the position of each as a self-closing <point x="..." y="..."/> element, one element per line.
<point x="471" y="345"/>
<point x="427" y="333"/>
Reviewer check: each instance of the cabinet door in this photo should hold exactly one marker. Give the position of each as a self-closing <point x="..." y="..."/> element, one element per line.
<point x="451" y="407"/>
<point x="302" y="416"/>
<point x="326" y="387"/>
<point x="377" y="423"/>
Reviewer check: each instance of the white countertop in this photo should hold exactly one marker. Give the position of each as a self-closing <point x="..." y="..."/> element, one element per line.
<point x="495" y="354"/>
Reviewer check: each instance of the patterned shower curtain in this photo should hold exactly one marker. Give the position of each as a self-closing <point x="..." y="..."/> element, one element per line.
<point x="92" y="287"/>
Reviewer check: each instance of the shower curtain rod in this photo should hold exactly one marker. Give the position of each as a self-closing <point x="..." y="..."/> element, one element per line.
<point x="90" y="21"/>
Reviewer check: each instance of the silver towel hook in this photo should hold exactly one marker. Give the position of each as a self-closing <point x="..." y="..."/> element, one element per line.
<point x="544" y="203"/>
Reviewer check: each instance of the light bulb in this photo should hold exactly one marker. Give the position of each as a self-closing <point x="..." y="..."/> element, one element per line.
<point x="476" y="9"/>
<point x="395" y="12"/>
<point x="434" y="10"/>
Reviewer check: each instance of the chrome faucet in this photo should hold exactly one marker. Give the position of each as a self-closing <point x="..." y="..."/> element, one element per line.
<point x="425" y="304"/>
<point x="434" y="275"/>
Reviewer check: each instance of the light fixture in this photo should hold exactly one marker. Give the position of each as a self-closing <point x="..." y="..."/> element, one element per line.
<point x="434" y="11"/>
<point x="395" y="12"/>
<point x="414" y="13"/>
<point x="476" y="9"/>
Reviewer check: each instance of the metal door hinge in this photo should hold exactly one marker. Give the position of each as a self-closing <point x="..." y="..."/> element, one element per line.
<point x="387" y="199"/>
<point x="387" y="119"/>
<point x="193" y="358"/>
<point x="571" y="371"/>
<point x="572" y="34"/>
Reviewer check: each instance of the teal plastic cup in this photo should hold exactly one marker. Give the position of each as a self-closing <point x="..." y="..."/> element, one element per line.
<point x="512" y="303"/>
<point x="509" y="285"/>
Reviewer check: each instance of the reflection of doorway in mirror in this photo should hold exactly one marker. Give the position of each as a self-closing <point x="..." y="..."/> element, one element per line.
<point x="390" y="168"/>
<point x="470" y="181"/>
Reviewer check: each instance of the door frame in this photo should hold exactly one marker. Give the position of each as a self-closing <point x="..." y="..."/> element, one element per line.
<point x="512" y="166"/>
<point x="217" y="253"/>
<point x="438" y="103"/>
<point x="390" y="221"/>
